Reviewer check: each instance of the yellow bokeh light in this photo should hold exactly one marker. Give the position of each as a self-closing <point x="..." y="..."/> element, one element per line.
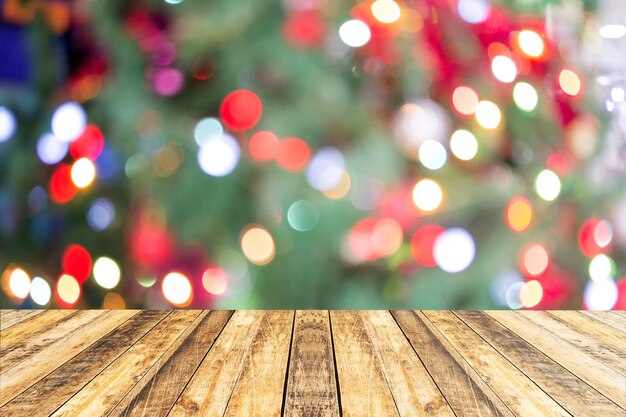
<point x="341" y="189"/>
<point x="68" y="289"/>
<point x="548" y="185"/>
<point x="531" y="293"/>
<point x="177" y="289"/>
<point x="106" y="272"/>
<point x="427" y="195"/>
<point x="488" y="114"/>
<point x="463" y="145"/>
<point x="519" y="214"/>
<point x="503" y="69"/>
<point x="258" y="246"/>
<point x="19" y="283"/>
<point x="83" y="173"/>
<point x="531" y="43"/>
<point x="113" y="301"/>
<point x="386" y="11"/>
<point x="387" y="237"/>
<point x="569" y="82"/>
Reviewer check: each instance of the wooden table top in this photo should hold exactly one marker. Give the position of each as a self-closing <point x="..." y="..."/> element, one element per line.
<point x="312" y="363"/>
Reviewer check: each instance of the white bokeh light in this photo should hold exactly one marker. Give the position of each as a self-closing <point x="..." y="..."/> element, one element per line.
<point x="473" y="11"/>
<point x="19" y="283"/>
<point x="68" y="121"/>
<point x="106" y="272"/>
<point x="8" y="124"/>
<point x="40" y="291"/>
<point x="463" y="145"/>
<point x="548" y="185"/>
<point x="51" y="150"/>
<point x="531" y="43"/>
<point x="83" y="172"/>
<point x="454" y="250"/>
<point x="600" y="295"/>
<point x="525" y="96"/>
<point x="176" y="288"/>
<point x="355" y="33"/>
<point x="427" y="195"/>
<point x="206" y="129"/>
<point x="601" y="268"/>
<point x="219" y="155"/>
<point x="432" y="154"/>
<point x="101" y="214"/>
<point x="325" y="170"/>
<point x="503" y="69"/>
<point x="488" y="114"/>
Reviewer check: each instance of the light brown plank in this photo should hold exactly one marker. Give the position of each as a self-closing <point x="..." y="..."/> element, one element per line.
<point x="311" y="382"/>
<point x="212" y="385"/>
<point x="51" y="392"/>
<point x="155" y="393"/>
<point x="13" y="317"/>
<point x="60" y="329"/>
<point x="259" y="389"/>
<point x="603" y="332"/>
<point x="18" y="378"/>
<point x="364" y="388"/>
<point x="602" y="352"/>
<point x="104" y="392"/>
<point x="462" y="387"/>
<point x="27" y="329"/>
<point x="607" y="318"/>
<point x="604" y="379"/>
<point x="516" y="390"/>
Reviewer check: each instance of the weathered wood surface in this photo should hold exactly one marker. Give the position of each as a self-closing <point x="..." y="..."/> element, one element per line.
<point x="312" y="363"/>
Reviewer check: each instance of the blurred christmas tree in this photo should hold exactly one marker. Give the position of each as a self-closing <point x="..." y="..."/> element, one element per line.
<point x="379" y="154"/>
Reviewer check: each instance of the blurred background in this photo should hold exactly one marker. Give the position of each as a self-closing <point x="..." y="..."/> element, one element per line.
<point x="465" y="154"/>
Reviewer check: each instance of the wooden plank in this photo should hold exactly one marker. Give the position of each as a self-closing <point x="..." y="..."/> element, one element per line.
<point x="39" y="324"/>
<point x="72" y="323"/>
<point x="104" y="392"/>
<point x="581" y="322"/>
<point x="14" y="317"/>
<point x="51" y="392"/>
<point x="577" y="397"/>
<point x="158" y="390"/>
<point x="516" y="390"/>
<point x="602" y="352"/>
<point x="604" y="379"/>
<point x="414" y="391"/>
<point x="259" y="389"/>
<point x="212" y="385"/>
<point x="607" y="318"/>
<point x="364" y="388"/>
<point x="311" y="381"/>
<point x="28" y="372"/>
<point x="464" y="390"/>
<point x="621" y="313"/>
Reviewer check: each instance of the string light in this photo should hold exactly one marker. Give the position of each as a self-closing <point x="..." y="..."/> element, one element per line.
<point x="454" y="250"/>
<point x="531" y="293"/>
<point x="504" y="69"/>
<point x="525" y="97"/>
<point x="8" y="124"/>
<point x="258" y="246"/>
<point x="464" y="100"/>
<point x="177" y="289"/>
<point x="569" y="82"/>
<point x="215" y="280"/>
<point x="106" y="272"/>
<point x="548" y="185"/>
<point x="432" y="154"/>
<point x="354" y="33"/>
<point x="488" y="114"/>
<point x="19" y="283"/>
<point x="531" y="43"/>
<point x="219" y="156"/>
<point x="463" y="145"/>
<point x="40" y="291"/>
<point x="68" y="289"/>
<point x="427" y="195"/>
<point x="386" y="11"/>
<point x="83" y="173"/>
<point x="68" y="121"/>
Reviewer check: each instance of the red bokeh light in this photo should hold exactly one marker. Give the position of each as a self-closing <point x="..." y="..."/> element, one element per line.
<point x="241" y="110"/>
<point x="89" y="144"/>
<point x="293" y="154"/>
<point x="77" y="262"/>
<point x="304" y="29"/>
<point x="263" y="146"/>
<point x="423" y="242"/>
<point x="62" y="189"/>
<point x="360" y="239"/>
<point x="587" y="238"/>
<point x="621" y="295"/>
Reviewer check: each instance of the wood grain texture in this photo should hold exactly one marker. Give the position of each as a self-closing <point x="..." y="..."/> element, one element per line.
<point x="312" y="363"/>
<point x="462" y="387"/>
<point x="574" y="395"/>
<point x="604" y="379"/>
<point x="311" y="382"/>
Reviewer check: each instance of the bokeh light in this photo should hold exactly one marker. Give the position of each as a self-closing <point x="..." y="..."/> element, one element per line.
<point x="519" y="213"/>
<point x="600" y="295"/>
<point x="19" y="283"/>
<point x="569" y="82"/>
<point x="106" y="272"/>
<point x="293" y="154"/>
<point x="513" y="295"/>
<point x="8" y="124"/>
<point x="386" y="237"/>
<point x="113" y="301"/>
<point x="83" y="173"/>
<point x="432" y="154"/>
<point x="89" y="144"/>
<point x="215" y="280"/>
<point x="525" y="97"/>
<point x="464" y="100"/>
<point x="68" y="290"/>
<point x="61" y="188"/>
<point x="463" y="145"/>
<point x="257" y="245"/>
<point x="473" y="11"/>
<point x="386" y="11"/>
<point x="68" y="121"/>
<point x="601" y="268"/>
<point x="207" y="128"/>
<point x="40" y="291"/>
<point x="326" y="168"/>
<point x="531" y="43"/>
<point x="355" y="33"/>
<point x="454" y="250"/>
<point x="427" y="195"/>
<point x="504" y="69"/>
<point x="241" y="110"/>
<point x="101" y="214"/>
<point x="51" y="150"/>
<point x="219" y="156"/>
<point x="548" y="185"/>
<point x="535" y="260"/>
<point x="77" y="262"/>
<point x="530" y="293"/>
<point x="423" y="243"/>
<point x="341" y="189"/>
<point x="488" y="114"/>
<point x="303" y="215"/>
<point x="177" y="289"/>
<point x="263" y="146"/>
